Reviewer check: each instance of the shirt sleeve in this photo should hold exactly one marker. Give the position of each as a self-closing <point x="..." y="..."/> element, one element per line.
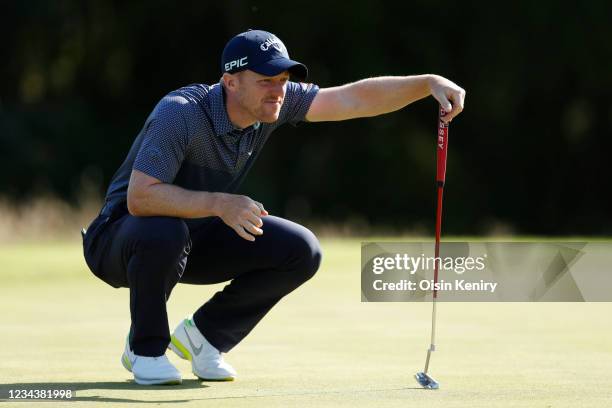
<point x="298" y="98"/>
<point x="165" y="142"/>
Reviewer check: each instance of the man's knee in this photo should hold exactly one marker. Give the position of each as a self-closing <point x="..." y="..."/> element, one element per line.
<point x="306" y="254"/>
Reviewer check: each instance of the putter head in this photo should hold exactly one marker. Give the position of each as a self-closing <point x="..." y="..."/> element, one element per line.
<point x="426" y="381"/>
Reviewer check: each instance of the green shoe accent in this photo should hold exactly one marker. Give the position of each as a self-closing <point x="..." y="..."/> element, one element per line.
<point x="176" y="343"/>
<point x="126" y="362"/>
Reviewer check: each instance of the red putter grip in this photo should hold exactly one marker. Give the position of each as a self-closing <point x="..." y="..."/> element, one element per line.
<point x="442" y="143"/>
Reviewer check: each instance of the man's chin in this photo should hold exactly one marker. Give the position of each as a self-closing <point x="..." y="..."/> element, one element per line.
<point x="269" y="118"/>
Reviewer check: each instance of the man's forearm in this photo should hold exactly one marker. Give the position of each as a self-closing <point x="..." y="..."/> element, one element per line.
<point x="148" y="196"/>
<point x="369" y="97"/>
<point x="173" y="201"/>
<point x="375" y="96"/>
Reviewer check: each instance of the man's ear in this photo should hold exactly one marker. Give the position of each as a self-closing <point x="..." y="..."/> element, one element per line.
<point x="230" y="81"/>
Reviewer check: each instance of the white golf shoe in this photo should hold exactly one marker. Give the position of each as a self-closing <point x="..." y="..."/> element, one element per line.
<point x="150" y="370"/>
<point x="206" y="361"/>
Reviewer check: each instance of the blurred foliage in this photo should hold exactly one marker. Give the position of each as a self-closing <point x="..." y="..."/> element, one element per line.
<point x="529" y="154"/>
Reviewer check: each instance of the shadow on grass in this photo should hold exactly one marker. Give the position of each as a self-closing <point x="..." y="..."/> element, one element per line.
<point x="186" y="385"/>
<point x="86" y="386"/>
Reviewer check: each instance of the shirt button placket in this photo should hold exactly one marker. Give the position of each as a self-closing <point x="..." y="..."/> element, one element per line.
<point x="244" y="152"/>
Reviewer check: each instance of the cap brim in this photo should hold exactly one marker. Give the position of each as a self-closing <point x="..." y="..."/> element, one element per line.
<point x="276" y="66"/>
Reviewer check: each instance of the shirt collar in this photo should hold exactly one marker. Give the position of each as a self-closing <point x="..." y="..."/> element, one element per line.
<point x="221" y="121"/>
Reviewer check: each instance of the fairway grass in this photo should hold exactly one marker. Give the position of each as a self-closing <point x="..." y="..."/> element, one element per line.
<point x="319" y="347"/>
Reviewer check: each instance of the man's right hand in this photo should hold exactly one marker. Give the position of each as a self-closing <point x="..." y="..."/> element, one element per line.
<point x="241" y="214"/>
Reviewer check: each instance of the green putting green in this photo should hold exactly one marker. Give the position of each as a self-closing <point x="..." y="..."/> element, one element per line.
<point x="64" y="329"/>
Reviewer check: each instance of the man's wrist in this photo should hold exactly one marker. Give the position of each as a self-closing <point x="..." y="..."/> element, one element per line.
<point x="215" y="203"/>
<point x="429" y="80"/>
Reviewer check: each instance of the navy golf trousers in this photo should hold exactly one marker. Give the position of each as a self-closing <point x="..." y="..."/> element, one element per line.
<point x="150" y="255"/>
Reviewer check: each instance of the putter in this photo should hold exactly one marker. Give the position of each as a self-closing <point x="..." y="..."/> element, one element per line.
<point x="422" y="377"/>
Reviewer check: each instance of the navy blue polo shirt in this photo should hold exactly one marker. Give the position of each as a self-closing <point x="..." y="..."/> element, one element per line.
<point x="188" y="140"/>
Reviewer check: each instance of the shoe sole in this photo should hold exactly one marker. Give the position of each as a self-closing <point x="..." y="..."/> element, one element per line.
<point x="181" y="351"/>
<point x="168" y="381"/>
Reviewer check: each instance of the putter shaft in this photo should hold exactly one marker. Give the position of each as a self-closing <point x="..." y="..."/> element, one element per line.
<point x="432" y="345"/>
<point x="442" y="144"/>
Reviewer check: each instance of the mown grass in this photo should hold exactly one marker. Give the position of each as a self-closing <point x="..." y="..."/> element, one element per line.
<point x="320" y="346"/>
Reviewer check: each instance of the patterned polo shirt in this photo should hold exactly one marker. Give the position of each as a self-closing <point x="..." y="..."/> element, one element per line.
<point x="188" y="140"/>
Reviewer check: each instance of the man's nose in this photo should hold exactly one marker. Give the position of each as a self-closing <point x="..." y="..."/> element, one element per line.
<point x="278" y="90"/>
